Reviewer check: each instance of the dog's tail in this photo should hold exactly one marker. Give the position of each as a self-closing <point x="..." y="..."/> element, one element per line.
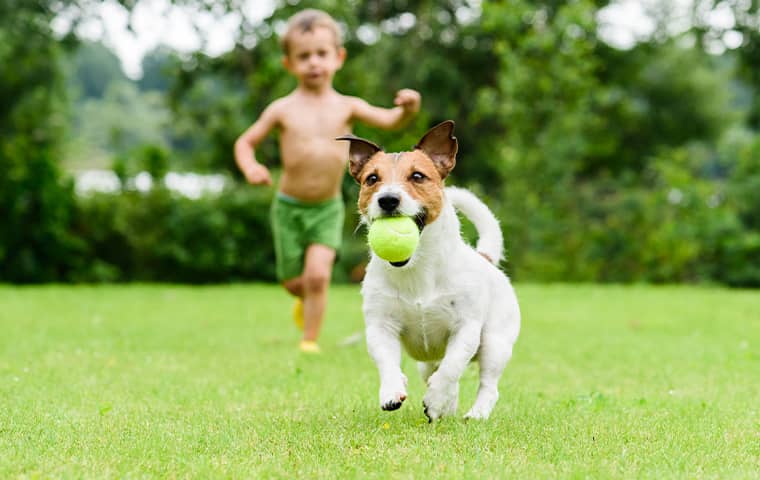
<point x="490" y="239"/>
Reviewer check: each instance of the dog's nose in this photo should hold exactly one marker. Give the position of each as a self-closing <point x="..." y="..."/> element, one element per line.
<point x="389" y="202"/>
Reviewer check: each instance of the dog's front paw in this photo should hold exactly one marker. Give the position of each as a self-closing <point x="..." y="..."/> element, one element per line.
<point x="476" y="413"/>
<point x="441" y="399"/>
<point x="392" y="396"/>
<point x="393" y="402"/>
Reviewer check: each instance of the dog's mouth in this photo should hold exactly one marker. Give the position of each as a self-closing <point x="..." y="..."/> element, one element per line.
<point x="419" y="220"/>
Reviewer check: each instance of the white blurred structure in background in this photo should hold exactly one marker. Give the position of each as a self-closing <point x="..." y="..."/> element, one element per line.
<point x="191" y="185"/>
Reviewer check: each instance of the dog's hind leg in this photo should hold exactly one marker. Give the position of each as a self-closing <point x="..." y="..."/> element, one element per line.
<point x="492" y="358"/>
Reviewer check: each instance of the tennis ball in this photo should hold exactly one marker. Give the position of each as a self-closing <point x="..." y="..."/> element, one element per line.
<point x="393" y="238"/>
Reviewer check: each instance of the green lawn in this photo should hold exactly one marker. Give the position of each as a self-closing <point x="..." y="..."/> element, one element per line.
<point x="172" y="381"/>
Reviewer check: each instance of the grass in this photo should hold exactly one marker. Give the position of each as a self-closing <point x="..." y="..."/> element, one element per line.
<point x="171" y="381"/>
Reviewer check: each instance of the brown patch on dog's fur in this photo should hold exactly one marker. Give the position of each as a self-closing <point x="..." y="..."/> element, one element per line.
<point x="440" y="145"/>
<point x="360" y="152"/>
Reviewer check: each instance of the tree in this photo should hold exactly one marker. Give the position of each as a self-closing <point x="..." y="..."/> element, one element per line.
<point x="649" y="102"/>
<point x="91" y="69"/>
<point x="747" y="16"/>
<point x="157" y="66"/>
<point x="35" y="205"/>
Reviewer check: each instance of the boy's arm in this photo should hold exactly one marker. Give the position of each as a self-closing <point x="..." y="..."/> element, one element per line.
<point x="407" y="103"/>
<point x="245" y="157"/>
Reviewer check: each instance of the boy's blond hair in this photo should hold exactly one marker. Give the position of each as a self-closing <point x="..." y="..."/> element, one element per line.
<point x="306" y="21"/>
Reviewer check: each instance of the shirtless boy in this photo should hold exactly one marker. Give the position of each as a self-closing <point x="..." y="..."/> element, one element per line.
<point x="307" y="212"/>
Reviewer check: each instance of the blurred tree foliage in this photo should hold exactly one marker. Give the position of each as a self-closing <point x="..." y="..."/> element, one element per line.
<point x="35" y="204"/>
<point x="113" y="117"/>
<point x="602" y="164"/>
<point x="91" y="70"/>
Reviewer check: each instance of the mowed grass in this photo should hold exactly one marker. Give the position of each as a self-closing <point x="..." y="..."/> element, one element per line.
<point x="205" y="382"/>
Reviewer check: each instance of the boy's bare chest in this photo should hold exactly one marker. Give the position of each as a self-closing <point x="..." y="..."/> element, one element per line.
<point x="324" y="120"/>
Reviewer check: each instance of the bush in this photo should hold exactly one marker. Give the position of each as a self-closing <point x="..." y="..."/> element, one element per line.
<point x="682" y="221"/>
<point x="738" y="250"/>
<point x="161" y="236"/>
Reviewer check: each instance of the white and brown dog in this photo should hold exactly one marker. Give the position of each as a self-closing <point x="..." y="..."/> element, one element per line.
<point x="448" y="303"/>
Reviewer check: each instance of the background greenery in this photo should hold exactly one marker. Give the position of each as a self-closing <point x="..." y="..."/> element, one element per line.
<point x="602" y="164"/>
<point x="170" y="381"/>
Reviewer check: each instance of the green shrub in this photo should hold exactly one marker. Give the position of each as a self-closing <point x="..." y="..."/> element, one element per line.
<point x="162" y="236"/>
<point x="737" y="256"/>
<point x="680" y="222"/>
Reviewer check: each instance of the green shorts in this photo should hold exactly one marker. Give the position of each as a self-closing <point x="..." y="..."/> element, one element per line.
<point x="297" y="224"/>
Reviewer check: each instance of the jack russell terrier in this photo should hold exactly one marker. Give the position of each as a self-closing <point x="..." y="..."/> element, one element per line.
<point x="449" y="303"/>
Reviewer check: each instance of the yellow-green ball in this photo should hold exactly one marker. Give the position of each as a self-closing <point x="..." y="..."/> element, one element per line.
<point x="393" y="238"/>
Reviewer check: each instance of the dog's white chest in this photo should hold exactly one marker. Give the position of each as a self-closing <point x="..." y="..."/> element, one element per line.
<point x="426" y="325"/>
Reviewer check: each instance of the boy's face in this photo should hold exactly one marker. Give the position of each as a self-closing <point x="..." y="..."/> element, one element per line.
<point x="313" y="57"/>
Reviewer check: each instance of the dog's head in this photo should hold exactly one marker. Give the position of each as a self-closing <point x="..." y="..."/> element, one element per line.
<point x="406" y="183"/>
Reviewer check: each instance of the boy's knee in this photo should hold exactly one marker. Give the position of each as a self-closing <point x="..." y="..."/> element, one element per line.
<point x="316" y="281"/>
<point x="294" y="286"/>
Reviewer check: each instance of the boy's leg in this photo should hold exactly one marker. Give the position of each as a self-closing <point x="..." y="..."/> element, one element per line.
<point x="305" y="273"/>
<point x="294" y="286"/>
<point x="286" y="231"/>
<point x="315" y="282"/>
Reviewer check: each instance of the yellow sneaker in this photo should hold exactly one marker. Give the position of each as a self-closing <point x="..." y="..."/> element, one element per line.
<point x="309" y="346"/>
<point x="298" y="313"/>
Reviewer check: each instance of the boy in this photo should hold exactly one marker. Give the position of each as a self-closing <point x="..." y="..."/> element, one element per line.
<point x="307" y="212"/>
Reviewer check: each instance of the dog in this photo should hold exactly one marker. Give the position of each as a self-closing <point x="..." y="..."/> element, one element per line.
<point x="448" y="303"/>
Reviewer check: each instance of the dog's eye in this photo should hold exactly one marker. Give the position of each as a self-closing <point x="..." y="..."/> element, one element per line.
<point x="371" y="180"/>
<point x="418" y="177"/>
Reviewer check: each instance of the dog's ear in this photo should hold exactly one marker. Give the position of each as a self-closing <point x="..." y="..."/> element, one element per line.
<point x="359" y="153"/>
<point x="441" y="146"/>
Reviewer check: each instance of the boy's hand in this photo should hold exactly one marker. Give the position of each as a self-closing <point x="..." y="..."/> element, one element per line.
<point x="409" y="100"/>
<point x="258" y="174"/>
